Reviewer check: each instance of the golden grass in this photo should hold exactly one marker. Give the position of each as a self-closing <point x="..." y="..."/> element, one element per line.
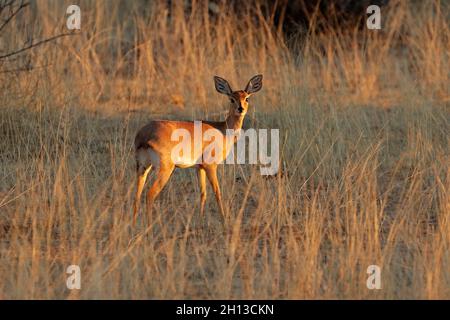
<point x="364" y="123"/>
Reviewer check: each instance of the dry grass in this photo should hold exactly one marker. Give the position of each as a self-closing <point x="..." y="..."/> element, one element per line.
<point x="364" y="121"/>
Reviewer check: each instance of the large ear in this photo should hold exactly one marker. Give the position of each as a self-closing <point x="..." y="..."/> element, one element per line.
<point x="255" y="84"/>
<point x="222" y="85"/>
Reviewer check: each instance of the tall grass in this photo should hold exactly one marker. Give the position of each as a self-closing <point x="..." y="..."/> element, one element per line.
<point x="364" y="123"/>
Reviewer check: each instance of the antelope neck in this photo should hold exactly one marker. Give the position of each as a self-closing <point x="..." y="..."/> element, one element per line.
<point x="234" y="122"/>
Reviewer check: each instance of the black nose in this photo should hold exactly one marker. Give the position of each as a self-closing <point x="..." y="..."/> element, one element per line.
<point x="240" y="109"/>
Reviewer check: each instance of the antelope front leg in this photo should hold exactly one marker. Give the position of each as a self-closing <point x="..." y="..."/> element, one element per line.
<point x="202" y="183"/>
<point x="211" y="173"/>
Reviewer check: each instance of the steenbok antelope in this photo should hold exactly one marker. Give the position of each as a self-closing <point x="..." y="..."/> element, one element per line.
<point x="154" y="146"/>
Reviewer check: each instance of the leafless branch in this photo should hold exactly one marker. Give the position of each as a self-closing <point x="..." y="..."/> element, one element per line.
<point x="25" y="68"/>
<point x="36" y="44"/>
<point x="13" y="14"/>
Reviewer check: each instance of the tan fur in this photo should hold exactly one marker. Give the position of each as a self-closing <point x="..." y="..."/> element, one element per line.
<point x="153" y="147"/>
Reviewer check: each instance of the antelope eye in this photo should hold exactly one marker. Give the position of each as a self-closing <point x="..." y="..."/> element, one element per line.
<point x="246" y="99"/>
<point x="231" y="100"/>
